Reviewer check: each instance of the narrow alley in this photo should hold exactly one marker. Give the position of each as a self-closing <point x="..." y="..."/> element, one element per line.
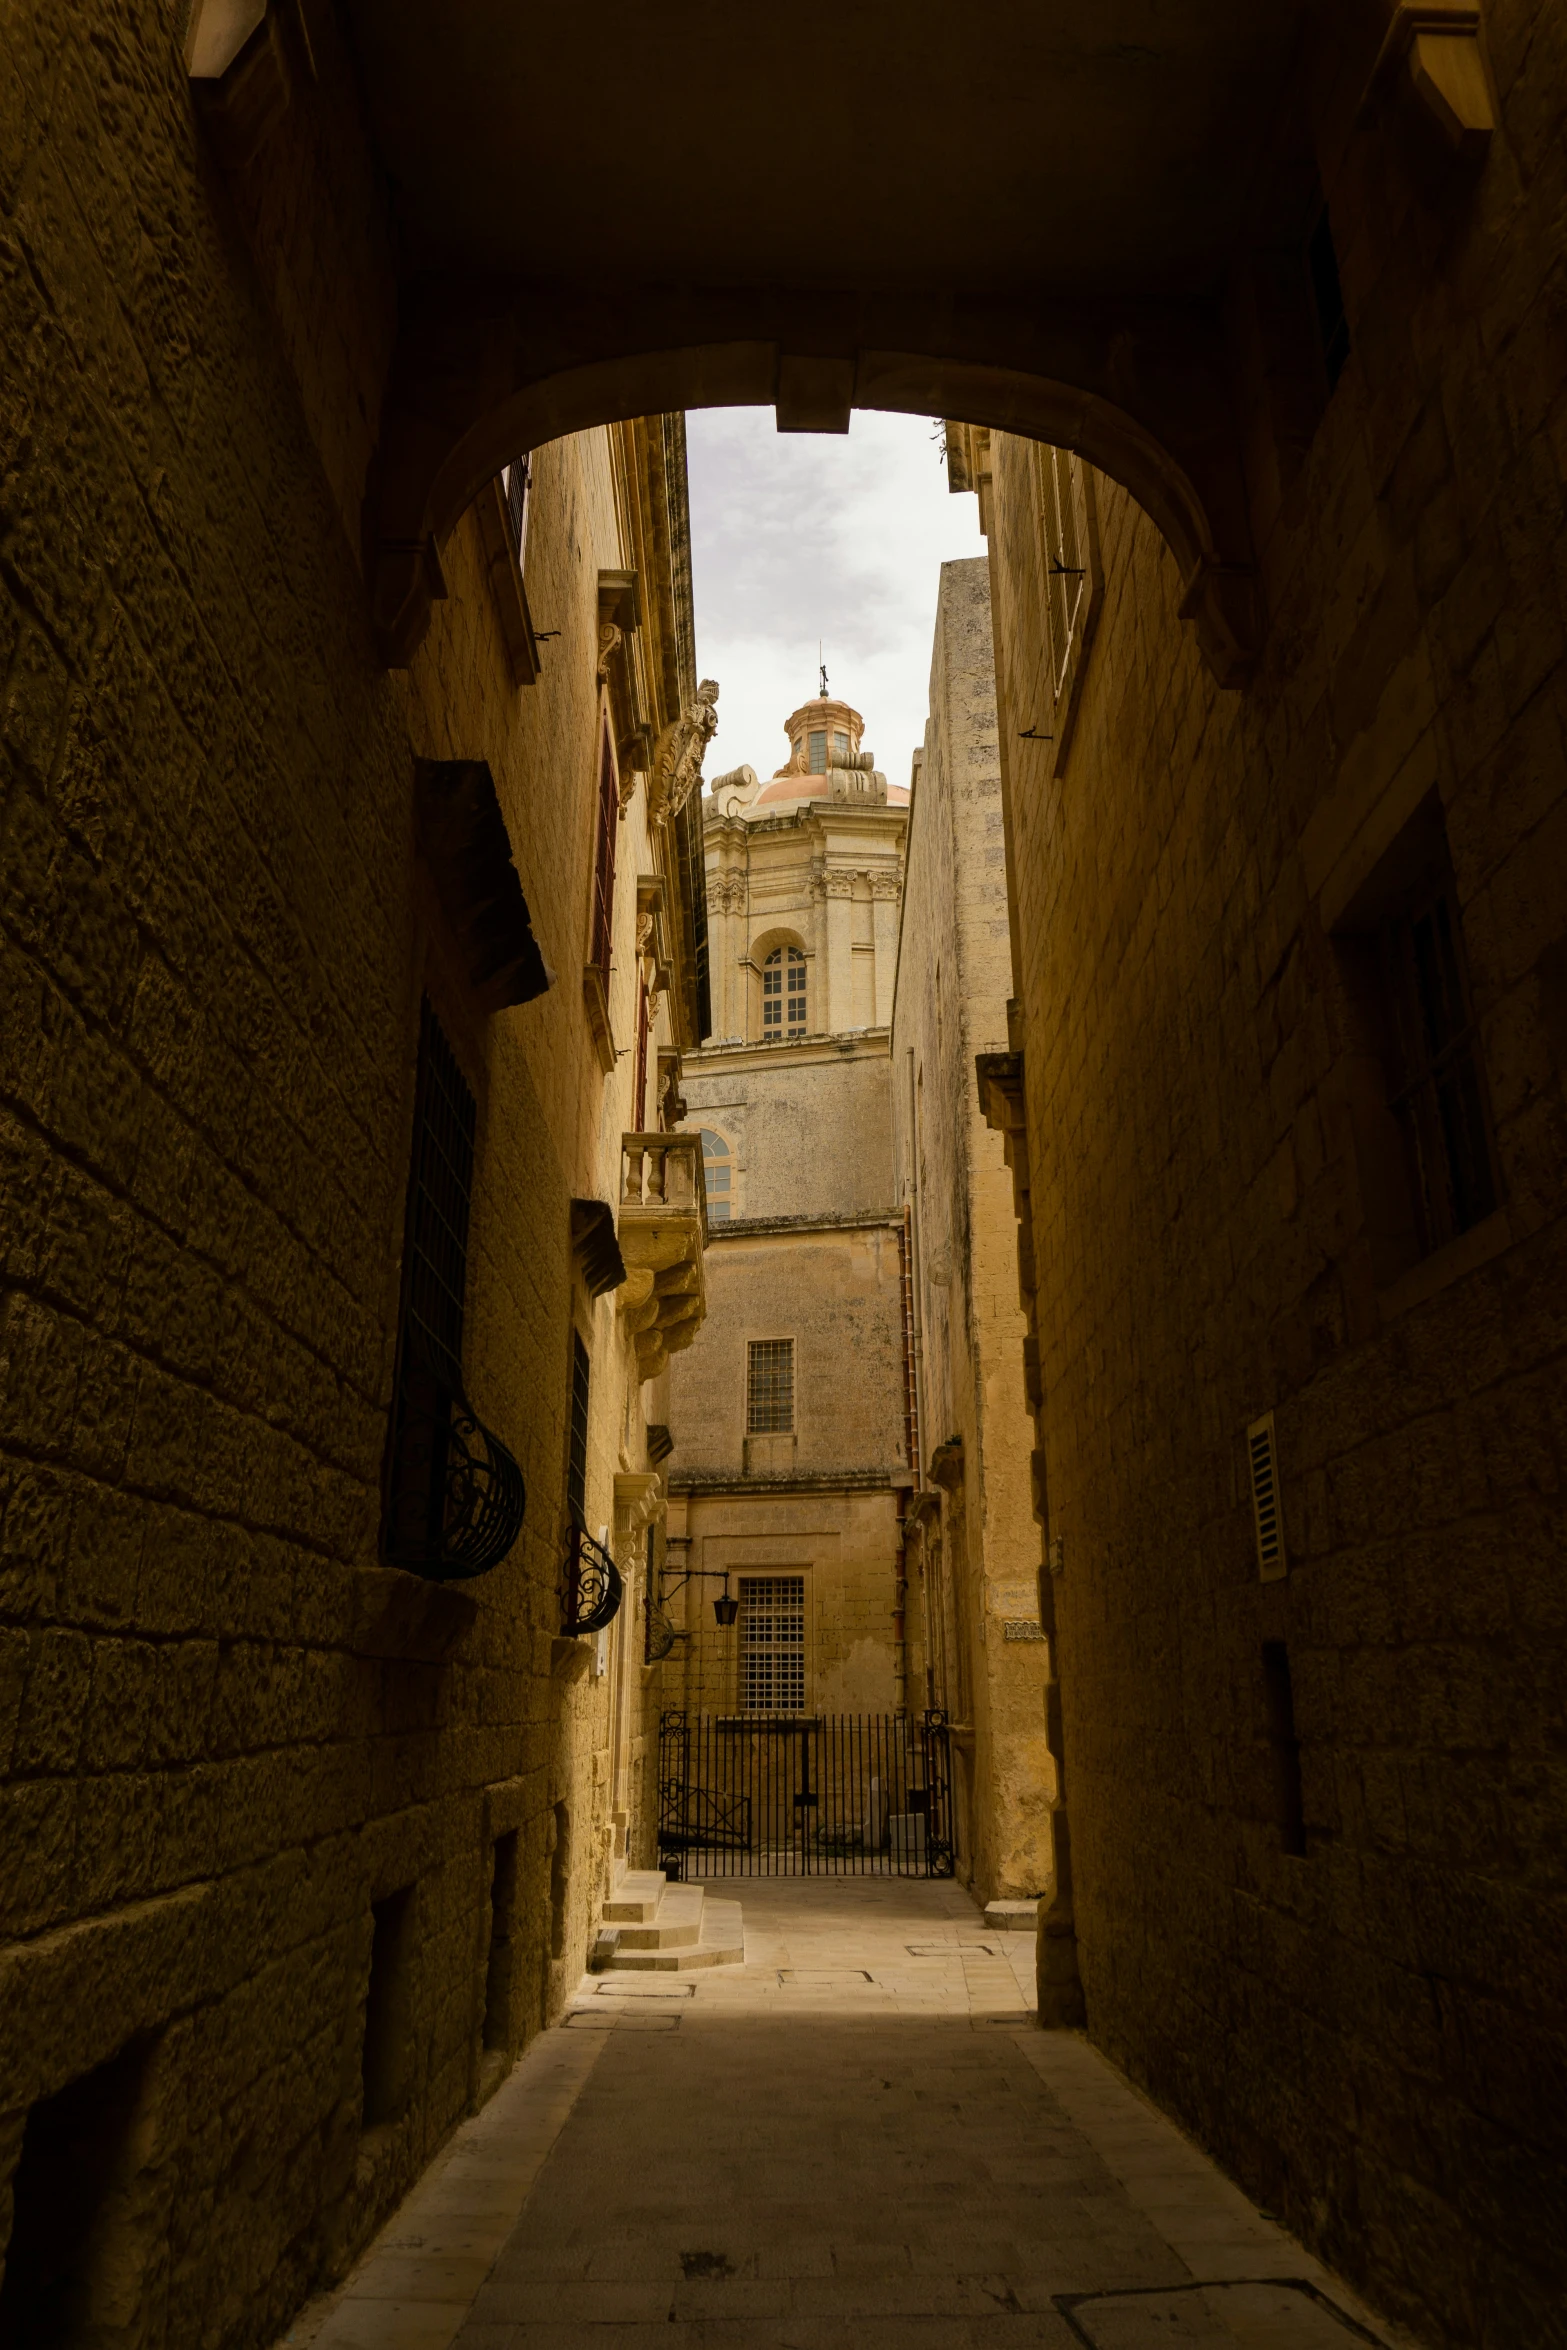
<point x="783" y="1175"/>
<point x="858" y="2137"/>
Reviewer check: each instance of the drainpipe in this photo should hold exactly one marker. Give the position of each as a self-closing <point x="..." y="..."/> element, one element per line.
<point x="911" y="1441"/>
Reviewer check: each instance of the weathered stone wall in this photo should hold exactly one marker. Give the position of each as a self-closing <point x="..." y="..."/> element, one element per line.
<point x="843" y="1544"/>
<point x="978" y="1649"/>
<point x="808" y="1124"/>
<point x="227" y="1730"/>
<point x="833" y="1289"/>
<point x="1370" y="2034"/>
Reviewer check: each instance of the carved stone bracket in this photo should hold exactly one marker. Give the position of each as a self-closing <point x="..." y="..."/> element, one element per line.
<point x="678" y="755"/>
<point x="1436" y="49"/>
<point x="639" y="1499"/>
<point x="663" y="1231"/>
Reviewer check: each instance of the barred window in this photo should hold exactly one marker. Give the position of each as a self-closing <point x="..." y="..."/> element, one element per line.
<point x="577" y="1442"/>
<point x="772" y="1644"/>
<point x="718" y="1168"/>
<point x="769" y="1394"/>
<point x="1439" y="1094"/>
<point x="604" y="861"/>
<point x="453" y="1495"/>
<point x="783" y="993"/>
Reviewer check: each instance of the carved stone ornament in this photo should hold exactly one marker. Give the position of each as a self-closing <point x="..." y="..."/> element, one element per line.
<point x="678" y="755"/>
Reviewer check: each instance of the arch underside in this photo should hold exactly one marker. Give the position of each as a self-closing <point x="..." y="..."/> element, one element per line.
<point x="1141" y="393"/>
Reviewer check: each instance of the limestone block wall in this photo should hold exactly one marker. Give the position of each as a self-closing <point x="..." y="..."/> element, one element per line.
<point x="809" y="1125"/>
<point x="978" y="1648"/>
<point x="843" y="1544"/>
<point x="227" y="1732"/>
<point x="1368" y="2030"/>
<point x="834" y="1290"/>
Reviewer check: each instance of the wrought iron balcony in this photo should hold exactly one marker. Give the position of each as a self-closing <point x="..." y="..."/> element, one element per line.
<point x="456" y="1498"/>
<point x="662" y="1229"/>
<point x="591" y="1588"/>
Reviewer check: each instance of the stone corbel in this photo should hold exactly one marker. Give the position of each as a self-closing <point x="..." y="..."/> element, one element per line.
<point x="619" y="618"/>
<point x="652" y="943"/>
<point x="639" y="1499"/>
<point x="238" y="67"/>
<point x="1221" y="600"/>
<point x="1436" y="50"/>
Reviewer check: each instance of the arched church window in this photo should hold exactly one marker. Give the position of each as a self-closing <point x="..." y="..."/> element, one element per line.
<point x="783" y="993"/>
<point x="718" y="1169"/>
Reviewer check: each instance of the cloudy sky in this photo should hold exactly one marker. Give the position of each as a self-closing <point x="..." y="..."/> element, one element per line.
<point x="797" y="536"/>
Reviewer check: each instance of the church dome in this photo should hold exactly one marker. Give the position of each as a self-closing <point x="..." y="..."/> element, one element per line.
<point x="825" y="755"/>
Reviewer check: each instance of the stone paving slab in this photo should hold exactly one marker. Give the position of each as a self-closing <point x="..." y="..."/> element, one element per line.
<point x="857" y="2140"/>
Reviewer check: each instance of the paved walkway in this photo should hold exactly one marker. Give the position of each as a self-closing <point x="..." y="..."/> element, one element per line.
<point x="859" y="2140"/>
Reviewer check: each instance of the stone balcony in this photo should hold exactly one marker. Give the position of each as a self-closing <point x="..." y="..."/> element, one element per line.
<point x="662" y="1231"/>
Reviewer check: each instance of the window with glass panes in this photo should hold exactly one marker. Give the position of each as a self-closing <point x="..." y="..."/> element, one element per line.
<point x="817" y="749"/>
<point x="772" y="1644"/>
<point x="718" y="1169"/>
<point x="783" y="993"/>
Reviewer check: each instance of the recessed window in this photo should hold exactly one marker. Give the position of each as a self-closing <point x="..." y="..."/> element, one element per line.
<point x="1427" y="1159"/>
<point x="1284" y="1748"/>
<point x="1439" y="1098"/>
<point x="769" y="1387"/>
<point x="1328" y="296"/>
<point x="718" y="1168"/>
<point x="387" y="2050"/>
<point x="783" y="993"/>
<point x="772" y="1644"/>
<point x="840" y="745"/>
<point x="69" y="2265"/>
<point x="817" y="745"/>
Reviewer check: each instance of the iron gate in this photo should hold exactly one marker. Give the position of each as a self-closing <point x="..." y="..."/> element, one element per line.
<point x="796" y="1795"/>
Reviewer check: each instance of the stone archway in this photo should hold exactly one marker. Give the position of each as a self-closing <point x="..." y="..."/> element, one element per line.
<point x="1142" y="392"/>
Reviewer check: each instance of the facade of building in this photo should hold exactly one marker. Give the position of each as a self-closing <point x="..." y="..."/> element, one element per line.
<point x="315" y="981"/>
<point x="1265" y="317"/>
<point x="972" y="1549"/>
<point x="786" y="1476"/>
<point x="1285" y="1122"/>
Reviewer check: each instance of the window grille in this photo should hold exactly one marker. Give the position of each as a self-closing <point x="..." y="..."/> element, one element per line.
<point x="516" y="483"/>
<point x="454" y="1495"/>
<point x="604" y="866"/>
<point x="1262" y="1461"/>
<point x="783" y="993"/>
<point x="769" y="1394"/>
<point x="1439" y="1097"/>
<point x="772" y="1644"/>
<point x="577" y="1449"/>
<point x="718" y="1168"/>
<point x="1066" y="561"/>
<point x="817" y="741"/>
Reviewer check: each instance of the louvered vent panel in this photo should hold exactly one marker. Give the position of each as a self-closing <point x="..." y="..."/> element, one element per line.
<point x="1263" y="1461"/>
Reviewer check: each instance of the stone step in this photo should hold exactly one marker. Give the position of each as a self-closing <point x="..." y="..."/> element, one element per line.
<point x="1012" y="1916"/>
<point x="722" y="1943"/>
<point x="635" y="1900"/>
<point x="676" y="1926"/>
